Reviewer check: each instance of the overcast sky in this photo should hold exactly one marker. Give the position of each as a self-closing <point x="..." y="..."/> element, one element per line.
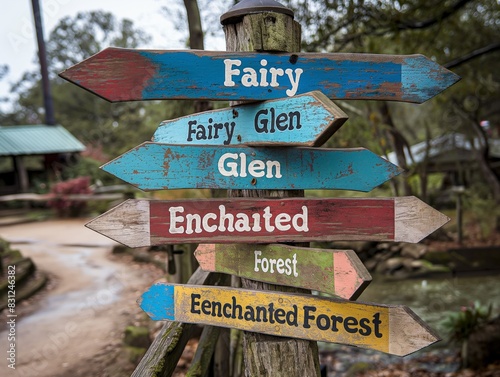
<point x="18" y="38"/>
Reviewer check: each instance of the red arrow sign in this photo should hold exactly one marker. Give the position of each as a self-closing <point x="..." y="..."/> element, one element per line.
<point x="138" y="223"/>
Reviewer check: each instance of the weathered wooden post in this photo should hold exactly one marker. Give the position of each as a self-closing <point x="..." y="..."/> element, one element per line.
<point x="261" y="146"/>
<point x="253" y="25"/>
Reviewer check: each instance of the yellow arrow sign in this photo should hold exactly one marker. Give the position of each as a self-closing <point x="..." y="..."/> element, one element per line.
<point x="391" y="329"/>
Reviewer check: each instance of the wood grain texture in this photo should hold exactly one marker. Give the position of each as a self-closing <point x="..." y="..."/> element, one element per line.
<point x="414" y="220"/>
<point x="304" y="120"/>
<point x="131" y="232"/>
<point x="138" y="223"/>
<point x="284" y="357"/>
<point x="154" y="166"/>
<point x="408" y="336"/>
<point x="202" y="360"/>
<point x="282" y="33"/>
<point x="337" y="272"/>
<point x="129" y="75"/>
<point x="390" y="329"/>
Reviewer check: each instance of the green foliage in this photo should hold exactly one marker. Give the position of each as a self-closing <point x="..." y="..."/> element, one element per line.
<point x="443" y="31"/>
<point x="86" y="166"/>
<point x="113" y="128"/>
<point x="358" y="368"/>
<point x="481" y="209"/>
<point x="77" y="38"/>
<point x="460" y="325"/>
<point x="136" y="336"/>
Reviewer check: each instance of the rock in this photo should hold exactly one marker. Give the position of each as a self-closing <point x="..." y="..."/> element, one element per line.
<point x="414" y="251"/>
<point x="408" y="264"/>
<point x="360" y="247"/>
<point x="390" y="265"/>
<point x="135" y="354"/>
<point x="371" y="264"/>
<point x="120" y="249"/>
<point x="137" y="336"/>
<point x="416" y="264"/>
<point x="395" y="248"/>
<point x="142" y="257"/>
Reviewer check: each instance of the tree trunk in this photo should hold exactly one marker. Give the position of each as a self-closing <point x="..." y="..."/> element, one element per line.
<point x="482" y="155"/>
<point x="194" y="24"/>
<point x="482" y="152"/>
<point x="196" y="41"/>
<point x="44" y="71"/>
<point x="266" y="355"/>
<point x="398" y="143"/>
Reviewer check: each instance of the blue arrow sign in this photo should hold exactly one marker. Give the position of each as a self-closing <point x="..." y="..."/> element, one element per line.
<point x="129" y="75"/>
<point x="154" y="166"/>
<point x="305" y="120"/>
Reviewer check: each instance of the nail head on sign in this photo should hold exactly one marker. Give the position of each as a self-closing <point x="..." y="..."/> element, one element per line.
<point x="245" y="7"/>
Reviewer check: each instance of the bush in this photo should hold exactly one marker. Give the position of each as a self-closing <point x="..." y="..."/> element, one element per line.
<point x="86" y="166"/>
<point x="462" y="324"/>
<point x="69" y="207"/>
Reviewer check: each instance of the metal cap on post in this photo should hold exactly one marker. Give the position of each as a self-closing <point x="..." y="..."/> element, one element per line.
<point x="245" y="7"/>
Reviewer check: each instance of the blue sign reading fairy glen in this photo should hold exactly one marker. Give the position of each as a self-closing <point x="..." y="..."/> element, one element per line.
<point x="308" y="119"/>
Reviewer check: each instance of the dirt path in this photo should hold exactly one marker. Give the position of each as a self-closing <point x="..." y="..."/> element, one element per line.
<point x="75" y="327"/>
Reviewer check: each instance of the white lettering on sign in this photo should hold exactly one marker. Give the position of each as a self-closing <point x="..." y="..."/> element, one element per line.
<point x="283" y="266"/>
<point x="235" y="222"/>
<point x="268" y="77"/>
<point x="235" y="165"/>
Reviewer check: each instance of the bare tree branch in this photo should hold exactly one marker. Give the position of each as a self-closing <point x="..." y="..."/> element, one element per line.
<point x="438" y="18"/>
<point x="472" y="55"/>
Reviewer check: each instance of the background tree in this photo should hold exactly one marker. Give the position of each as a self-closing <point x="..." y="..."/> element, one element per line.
<point x="446" y="31"/>
<point x="4" y="69"/>
<point x="97" y="123"/>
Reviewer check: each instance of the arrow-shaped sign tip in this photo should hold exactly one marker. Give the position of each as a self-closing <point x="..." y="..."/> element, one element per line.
<point x="410" y="334"/>
<point x="351" y="275"/>
<point x="205" y="255"/>
<point x="159" y="302"/>
<point x="423" y="78"/>
<point x="114" y="74"/>
<point x="127" y="223"/>
<point x="415" y="220"/>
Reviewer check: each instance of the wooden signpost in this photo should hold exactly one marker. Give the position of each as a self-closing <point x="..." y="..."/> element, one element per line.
<point x="138" y="223"/>
<point x="337" y="272"/>
<point x="248" y="148"/>
<point x="129" y="75"/>
<point x="154" y="166"/>
<point x="392" y="329"/>
<point x="304" y="120"/>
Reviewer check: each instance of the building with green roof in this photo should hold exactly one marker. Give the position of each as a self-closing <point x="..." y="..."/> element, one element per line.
<point x="51" y="146"/>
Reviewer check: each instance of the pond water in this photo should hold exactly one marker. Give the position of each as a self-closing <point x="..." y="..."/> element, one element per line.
<point x="433" y="299"/>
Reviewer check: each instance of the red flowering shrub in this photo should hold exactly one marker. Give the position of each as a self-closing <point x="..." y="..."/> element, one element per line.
<point x="66" y="207"/>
